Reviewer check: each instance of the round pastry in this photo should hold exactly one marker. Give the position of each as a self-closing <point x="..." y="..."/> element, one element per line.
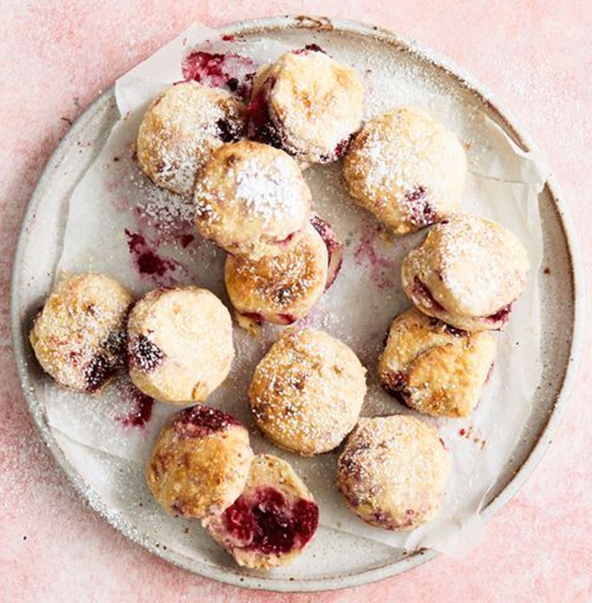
<point x="251" y="200"/>
<point x="179" y="344"/>
<point x="200" y="462"/>
<point x="273" y="519"/>
<point x="307" y="104"/>
<point x="307" y="392"/>
<point x="393" y="472"/>
<point x="283" y="288"/>
<point x="79" y="334"/>
<point x="434" y="368"/>
<point x="181" y="128"/>
<point x="467" y="272"/>
<point x="407" y="169"/>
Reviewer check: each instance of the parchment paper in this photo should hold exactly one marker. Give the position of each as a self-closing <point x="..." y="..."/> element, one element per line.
<point x="114" y="196"/>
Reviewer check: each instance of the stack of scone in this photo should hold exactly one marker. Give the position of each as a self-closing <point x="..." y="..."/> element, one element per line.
<point x="242" y="166"/>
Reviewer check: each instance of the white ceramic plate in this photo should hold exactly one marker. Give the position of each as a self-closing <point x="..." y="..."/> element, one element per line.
<point x="331" y="563"/>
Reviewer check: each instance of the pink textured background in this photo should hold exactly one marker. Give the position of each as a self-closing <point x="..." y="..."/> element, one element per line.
<point x="55" y="57"/>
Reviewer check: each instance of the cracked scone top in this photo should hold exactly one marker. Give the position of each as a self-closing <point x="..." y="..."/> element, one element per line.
<point x="200" y="462"/>
<point x="179" y="344"/>
<point x="467" y="272"/>
<point x="272" y="521"/>
<point x="307" y="392"/>
<point x="433" y="368"/>
<point x="393" y="472"/>
<point x="79" y="335"/>
<point x="251" y="200"/>
<point x="407" y="169"/>
<point x="181" y="128"/>
<point x="307" y="104"/>
<point x="283" y="288"/>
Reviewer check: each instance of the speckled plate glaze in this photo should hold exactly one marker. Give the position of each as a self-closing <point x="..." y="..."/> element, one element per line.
<point x="336" y="560"/>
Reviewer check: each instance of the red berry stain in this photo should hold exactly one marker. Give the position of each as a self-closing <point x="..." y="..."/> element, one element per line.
<point x="200" y="420"/>
<point x="229" y="70"/>
<point x="147" y="261"/>
<point x="228" y="38"/>
<point x="268" y="523"/>
<point x="309" y="48"/>
<point x="381" y="266"/>
<point x="142" y="411"/>
<point x="422" y="213"/>
<point x="334" y="247"/>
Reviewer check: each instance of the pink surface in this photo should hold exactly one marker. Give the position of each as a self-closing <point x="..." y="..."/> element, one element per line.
<point x="55" y="57"/>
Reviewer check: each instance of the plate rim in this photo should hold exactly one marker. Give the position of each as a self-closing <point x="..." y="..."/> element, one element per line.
<point x="231" y="575"/>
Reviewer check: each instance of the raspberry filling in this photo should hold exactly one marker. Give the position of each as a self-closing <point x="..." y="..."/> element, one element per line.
<point x="421" y="212"/>
<point x="502" y="315"/>
<point x="144" y="355"/>
<point x="200" y="420"/>
<point x="421" y="291"/>
<point x="261" y="126"/>
<point x="334" y="248"/>
<point x="266" y="522"/>
<point x="310" y="48"/>
<point x="97" y="372"/>
<point x="228" y="131"/>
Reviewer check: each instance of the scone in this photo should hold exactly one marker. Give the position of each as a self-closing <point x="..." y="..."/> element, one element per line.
<point x="467" y="272"/>
<point x="79" y="334"/>
<point x="272" y="521"/>
<point x="283" y="288"/>
<point x="200" y="462"/>
<point x="181" y="128"/>
<point x="393" y="472"/>
<point x="179" y="344"/>
<point x="251" y="200"/>
<point x="407" y="169"/>
<point x="307" y="392"/>
<point x="433" y="368"/>
<point x="307" y="104"/>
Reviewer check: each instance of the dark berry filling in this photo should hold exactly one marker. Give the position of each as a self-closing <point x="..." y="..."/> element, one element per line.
<point x="454" y="331"/>
<point x="422" y="213"/>
<point x="309" y="48"/>
<point x="334" y="248"/>
<point x="338" y="152"/>
<point x="421" y="291"/>
<point x="144" y="355"/>
<point x="268" y="523"/>
<point x="502" y="315"/>
<point x="261" y="126"/>
<point x="200" y="420"/>
<point x="393" y="381"/>
<point x="228" y="131"/>
<point x="97" y="372"/>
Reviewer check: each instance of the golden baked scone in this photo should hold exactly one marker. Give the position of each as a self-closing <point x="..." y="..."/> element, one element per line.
<point x="433" y="368"/>
<point x="467" y="272"/>
<point x="393" y="472"/>
<point x="79" y="335"/>
<point x="307" y="392"/>
<point x="251" y="200"/>
<point x="272" y="521"/>
<point x="200" y="463"/>
<point x="407" y="169"/>
<point x="181" y="128"/>
<point x="179" y="344"/>
<point x="307" y="104"/>
<point x="284" y="288"/>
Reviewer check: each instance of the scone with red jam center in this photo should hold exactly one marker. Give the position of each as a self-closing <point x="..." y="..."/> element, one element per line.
<point x="79" y="334"/>
<point x="272" y="521"/>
